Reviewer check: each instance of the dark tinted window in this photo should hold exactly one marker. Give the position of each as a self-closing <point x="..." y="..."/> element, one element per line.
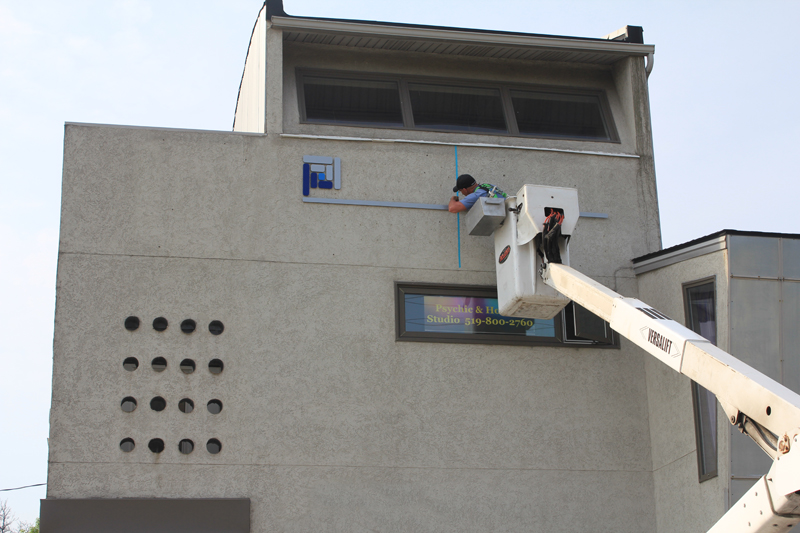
<point x="457" y="108"/>
<point x="701" y="317"/>
<point x="352" y="101"/>
<point x="559" y="115"/>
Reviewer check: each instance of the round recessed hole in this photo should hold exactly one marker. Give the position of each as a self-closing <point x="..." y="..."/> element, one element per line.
<point x="216" y="327"/>
<point x="215" y="366"/>
<point x="188" y="325"/>
<point x="128" y="404"/>
<point x="186" y="405"/>
<point x="187" y="366"/>
<point x="160" y="324"/>
<point x="132" y="323"/>
<point x="769" y="410"/>
<point x="214" y="406"/>
<point x="213" y="446"/>
<point x="159" y="364"/>
<point x="186" y="446"/>
<point x="127" y="445"/>
<point x="130" y="364"/>
<point x="158" y="404"/>
<point x="156" y="445"/>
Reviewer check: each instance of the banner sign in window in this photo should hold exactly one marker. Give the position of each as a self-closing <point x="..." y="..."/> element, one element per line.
<point x="468" y="315"/>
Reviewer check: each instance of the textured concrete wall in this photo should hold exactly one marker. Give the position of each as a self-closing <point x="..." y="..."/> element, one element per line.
<point x="682" y="503"/>
<point x="251" y="102"/>
<point x="329" y="423"/>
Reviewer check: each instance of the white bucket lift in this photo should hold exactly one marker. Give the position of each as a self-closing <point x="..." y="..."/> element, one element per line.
<point x="532" y="287"/>
<point x="521" y="292"/>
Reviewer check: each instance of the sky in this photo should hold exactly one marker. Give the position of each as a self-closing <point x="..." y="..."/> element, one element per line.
<point x="726" y="121"/>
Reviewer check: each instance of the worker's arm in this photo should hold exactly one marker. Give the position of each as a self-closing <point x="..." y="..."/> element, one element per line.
<point x="455" y="206"/>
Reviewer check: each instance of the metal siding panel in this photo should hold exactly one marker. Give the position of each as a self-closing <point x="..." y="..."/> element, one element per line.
<point x="747" y="459"/>
<point x="755" y="324"/>
<point x="790" y="334"/>
<point x="754" y="256"/>
<point x="791" y="258"/>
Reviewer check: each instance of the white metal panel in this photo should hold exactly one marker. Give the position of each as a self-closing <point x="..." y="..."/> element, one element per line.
<point x="791" y="258"/>
<point x="755" y="324"/>
<point x="790" y="333"/>
<point x="251" y="104"/>
<point x="754" y="256"/>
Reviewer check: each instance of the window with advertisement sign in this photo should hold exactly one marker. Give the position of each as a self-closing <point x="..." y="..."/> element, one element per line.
<point x="469" y="314"/>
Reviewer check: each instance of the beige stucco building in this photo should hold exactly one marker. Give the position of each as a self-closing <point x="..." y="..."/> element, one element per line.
<point x="236" y="332"/>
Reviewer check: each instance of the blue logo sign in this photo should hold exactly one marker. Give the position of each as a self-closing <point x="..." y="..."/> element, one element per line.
<point x="321" y="172"/>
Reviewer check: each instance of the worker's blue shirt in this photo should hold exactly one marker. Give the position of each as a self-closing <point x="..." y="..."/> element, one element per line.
<point x="469" y="200"/>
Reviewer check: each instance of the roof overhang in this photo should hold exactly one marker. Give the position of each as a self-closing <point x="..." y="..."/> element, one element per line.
<point x="456" y="41"/>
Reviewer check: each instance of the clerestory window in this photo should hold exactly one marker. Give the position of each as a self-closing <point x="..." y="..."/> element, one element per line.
<point x="376" y="100"/>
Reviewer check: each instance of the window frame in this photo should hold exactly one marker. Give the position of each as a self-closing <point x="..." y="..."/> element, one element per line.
<point x="480" y="291"/>
<point x="704" y="473"/>
<point x="504" y="89"/>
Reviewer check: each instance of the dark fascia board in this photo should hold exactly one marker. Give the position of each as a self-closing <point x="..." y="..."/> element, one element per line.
<point x="275" y="8"/>
<point x="712" y="237"/>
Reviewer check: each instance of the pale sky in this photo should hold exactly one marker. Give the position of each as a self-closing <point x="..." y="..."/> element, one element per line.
<point x="726" y="121"/>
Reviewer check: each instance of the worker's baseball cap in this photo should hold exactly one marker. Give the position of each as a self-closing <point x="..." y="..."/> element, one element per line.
<point x="463" y="181"/>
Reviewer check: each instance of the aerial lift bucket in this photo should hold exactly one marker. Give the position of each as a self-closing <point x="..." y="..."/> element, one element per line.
<point x="519" y="250"/>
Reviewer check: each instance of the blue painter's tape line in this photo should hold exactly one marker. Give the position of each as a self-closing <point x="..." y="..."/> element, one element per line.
<point x="313" y="180"/>
<point x="325" y="185"/>
<point x="458" y="215"/>
<point x="371" y="203"/>
<point x="306" y="170"/>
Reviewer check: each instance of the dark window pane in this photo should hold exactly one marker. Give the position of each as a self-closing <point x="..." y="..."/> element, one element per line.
<point x="559" y="115"/>
<point x="352" y="101"/>
<point x="457" y="108"/>
<point x="702" y="319"/>
<point x="705" y="415"/>
<point x="701" y="316"/>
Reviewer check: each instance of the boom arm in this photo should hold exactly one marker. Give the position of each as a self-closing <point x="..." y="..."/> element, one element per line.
<point x="765" y="410"/>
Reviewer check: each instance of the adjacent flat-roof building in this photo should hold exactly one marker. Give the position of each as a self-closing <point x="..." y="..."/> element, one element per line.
<point x="284" y="327"/>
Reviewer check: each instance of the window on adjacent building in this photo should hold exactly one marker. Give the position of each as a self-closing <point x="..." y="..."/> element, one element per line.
<point x="701" y="317"/>
<point x="468" y="314"/>
<point x="378" y="100"/>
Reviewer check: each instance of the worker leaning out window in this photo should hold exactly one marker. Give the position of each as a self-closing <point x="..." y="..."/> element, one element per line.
<point x="472" y="190"/>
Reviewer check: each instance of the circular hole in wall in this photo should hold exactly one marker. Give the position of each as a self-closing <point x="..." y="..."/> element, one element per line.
<point x="187" y="366"/>
<point x="186" y="446"/>
<point x="158" y="404"/>
<point x="160" y="324"/>
<point x="132" y="323"/>
<point x="188" y="325"/>
<point x="216" y="327"/>
<point x="215" y="366"/>
<point x="130" y="364"/>
<point x="214" y="446"/>
<point x="186" y="405"/>
<point x="128" y="404"/>
<point x="159" y="364"/>
<point x="214" y="406"/>
<point x="156" y="445"/>
<point x="127" y="445"/>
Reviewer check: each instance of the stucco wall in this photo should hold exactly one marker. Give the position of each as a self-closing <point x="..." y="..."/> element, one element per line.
<point x="682" y="503"/>
<point x="328" y="422"/>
